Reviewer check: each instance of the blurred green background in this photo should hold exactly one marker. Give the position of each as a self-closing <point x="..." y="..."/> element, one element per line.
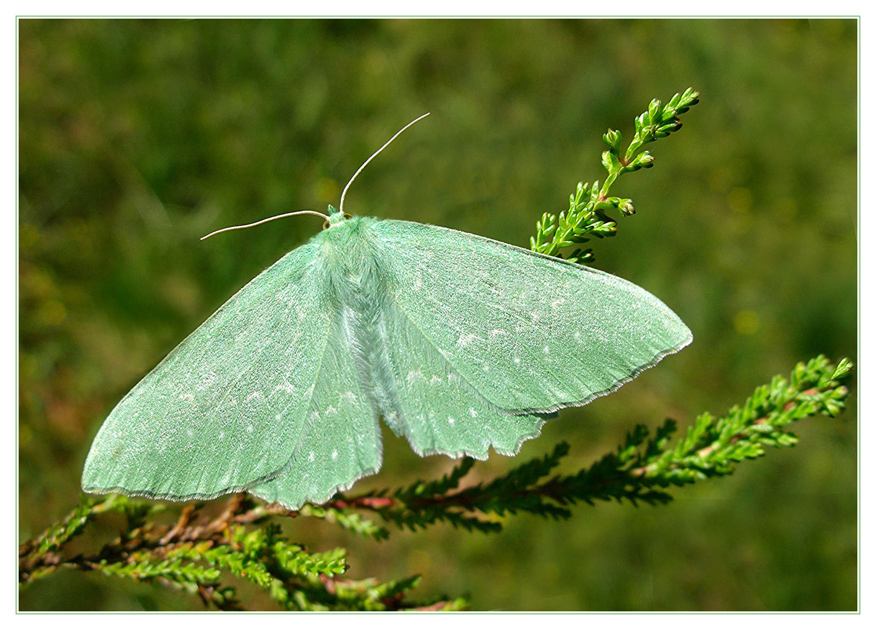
<point x="136" y="137"/>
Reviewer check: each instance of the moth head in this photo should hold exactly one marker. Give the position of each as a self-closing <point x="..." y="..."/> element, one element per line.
<point x="335" y="218"/>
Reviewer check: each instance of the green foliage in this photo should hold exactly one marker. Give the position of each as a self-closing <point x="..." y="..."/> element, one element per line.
<point x="198" y="553"/>
<point x="346" y="520"/>
<point x="195" y="553"/>
<point x="640" y="470"/>
<point x="586" y="217"/>
<point x="713" y="446"/>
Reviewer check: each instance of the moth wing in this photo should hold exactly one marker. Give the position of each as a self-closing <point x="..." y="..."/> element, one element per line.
<point x="340" y="442"/>
<point x="226" y="408"/>
<point x="527" y="332"/>
<point x="436" y="409"/>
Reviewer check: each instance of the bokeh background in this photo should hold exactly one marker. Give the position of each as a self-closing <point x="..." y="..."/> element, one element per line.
<point x="136" y="137"/>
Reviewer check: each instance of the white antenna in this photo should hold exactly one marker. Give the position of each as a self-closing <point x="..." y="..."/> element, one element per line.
<point x="356" y="174"/>
<point x="279" y="216"/>
<point x="343" y="194"/>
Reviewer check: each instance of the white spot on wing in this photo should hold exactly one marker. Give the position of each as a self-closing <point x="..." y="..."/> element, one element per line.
<point x="285" y="387"/>
<point x="334" y="454"/>
<point x="465" y="340"/>
<point x="207" y="381"/>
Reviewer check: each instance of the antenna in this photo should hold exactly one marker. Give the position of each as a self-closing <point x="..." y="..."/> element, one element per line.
<point x="343" y="194"/>
<point x="356" y="174"/>
<point x="279" y="216"/>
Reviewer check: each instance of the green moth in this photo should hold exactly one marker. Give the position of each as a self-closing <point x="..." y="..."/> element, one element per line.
<point x="460" y="343"/>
